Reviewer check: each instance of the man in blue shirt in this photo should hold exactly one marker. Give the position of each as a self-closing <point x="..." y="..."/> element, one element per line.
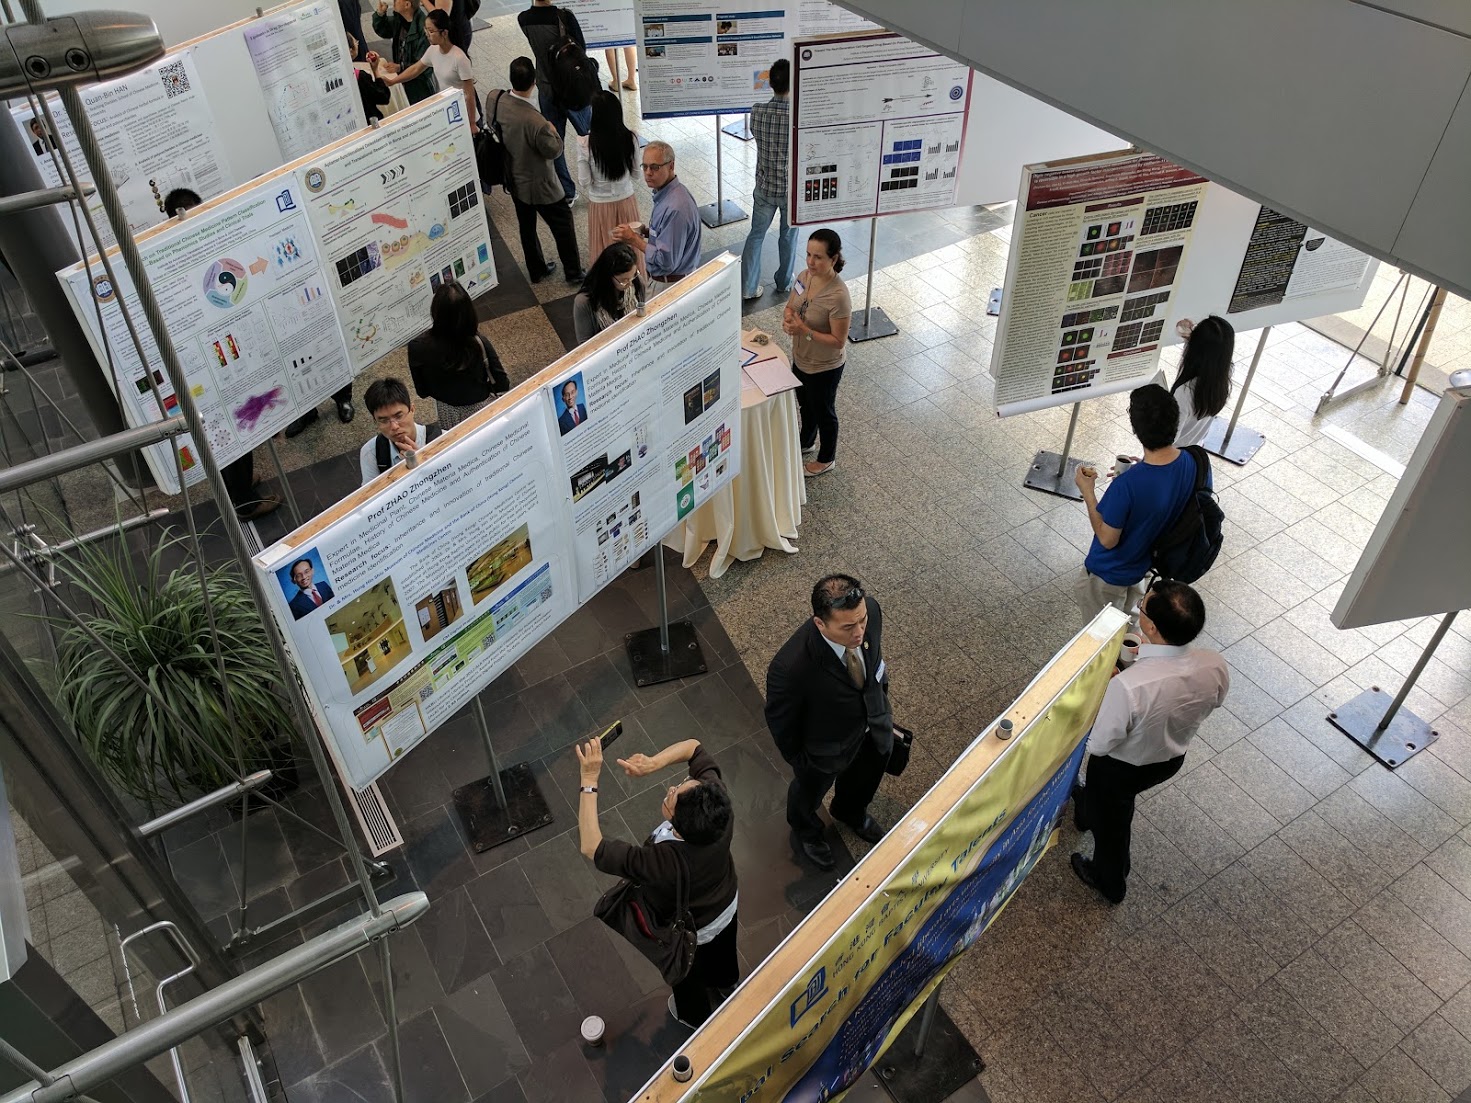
<point x="670" y="242"/>
<point x="771" y="123"/>
<point x="1140" y="504"/>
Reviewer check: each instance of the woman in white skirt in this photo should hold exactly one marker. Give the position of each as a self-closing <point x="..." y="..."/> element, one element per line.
<point x="453" y="363"/>
<point x="605" y="172"/>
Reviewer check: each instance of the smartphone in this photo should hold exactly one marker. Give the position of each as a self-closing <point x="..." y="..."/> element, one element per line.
<point x="611" y="735"/>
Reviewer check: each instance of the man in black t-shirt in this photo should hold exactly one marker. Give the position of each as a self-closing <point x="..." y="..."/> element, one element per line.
<point x="543" y="25"/>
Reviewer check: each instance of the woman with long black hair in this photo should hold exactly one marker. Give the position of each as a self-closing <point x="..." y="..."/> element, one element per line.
<point x="1204" y="382"/>
<point x="605" y="172"/>
<point x="453" y="363"/>
<point x="612" y="289"/>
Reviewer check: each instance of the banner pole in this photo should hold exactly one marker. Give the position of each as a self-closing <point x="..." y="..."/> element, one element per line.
<point x="721" y="212"/>
<point x="668" y="651"/>
<point x="867" y="328"/>
<point x="660" y="582"/>
<point x="495" y="766"/>
<point x="927" y="1020"/>
<point x="1250" y="441"/>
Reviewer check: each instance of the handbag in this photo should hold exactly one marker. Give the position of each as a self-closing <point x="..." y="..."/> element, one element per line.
<point x="670" y="949"/>
<point x="492" y="159"/>
<point x="899" y="755"/>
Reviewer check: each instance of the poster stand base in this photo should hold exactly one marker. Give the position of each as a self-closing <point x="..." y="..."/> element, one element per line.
<point x="651" y="665"/>
<point x="1406" y="736"/>
<point x="741" y="128"/>
<point x="1044" y="475"/>
<point x="722" y="213"/>
<point x="946" y="1064"/>
<point x="488" y="822"/>
<point x="870" y="325"/>
<point x="1243" y="444"/>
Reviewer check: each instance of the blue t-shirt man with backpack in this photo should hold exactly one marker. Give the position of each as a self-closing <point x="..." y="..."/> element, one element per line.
<point x="1138" y="508"/>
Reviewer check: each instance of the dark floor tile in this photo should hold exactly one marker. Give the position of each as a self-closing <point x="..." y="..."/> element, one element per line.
<point x="436" y="852"/>
<point x="724" y="716"/>
<point x="602" y="690"/>
<point x="639" y="1038"/>
<point x="595" y="975"/>
<point x="430" y="1072"/>
<point x="315" y="842"/>
<point x="563" y="1077"/>
<point x="415" y="785"/>
<point x="267" y="861"/>
<point x="416" y="986"/>
<point x="581" y="636"/>
<point x="545" y="660"/>
<point x="481" y="1036"/>
<point x="455" y="940"/>
<point x="506" y="1092"/>
<point x="561" y="718"/>
<point x="294" y="1043"/>
<point x="539" y="1003"/>
<point x="564" y="881"/>
<point x="198" y="868"/>
<point x="359" y="1078"/>
<point x="342" y="1007"/>
<point x="508" y="907"/>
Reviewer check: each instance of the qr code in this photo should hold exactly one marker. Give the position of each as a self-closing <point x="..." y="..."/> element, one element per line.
<point x="175" y="79"/>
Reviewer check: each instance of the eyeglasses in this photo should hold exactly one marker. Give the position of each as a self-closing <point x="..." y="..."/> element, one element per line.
<point x="625" y="279"/>
<point x="849" y="599"/>
<point x="392" y="419"/>
<point x="651" y="166"/>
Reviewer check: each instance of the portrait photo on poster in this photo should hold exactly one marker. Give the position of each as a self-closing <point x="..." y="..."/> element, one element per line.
<point x="304" y="584"/>
<point x="571" y="397"/>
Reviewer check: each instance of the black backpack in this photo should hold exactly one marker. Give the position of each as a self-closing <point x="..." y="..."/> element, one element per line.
<point x="492" y="160"/>
<point x="384" y="455"/>
<point x="1190" y="543"/>
<point x="573" y="75"/>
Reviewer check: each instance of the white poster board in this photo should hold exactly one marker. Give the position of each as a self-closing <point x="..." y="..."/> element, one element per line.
<point x="604" y="23"/>
<point x="44" y="145"/>
<point x="396" y="216"/>
<point x="878" y="126"/>
<point x="421" y="588"/>
<point x="311" y="93"/>
<point x="1255" y="267"/>
<point x="698" y="57"/>
<point x="1096" y="248"/>
<point x="820" y="18"/>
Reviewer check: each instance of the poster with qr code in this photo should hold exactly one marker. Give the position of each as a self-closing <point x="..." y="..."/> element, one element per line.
<point x="158" y="135"/>
<point x="46" y="145"/>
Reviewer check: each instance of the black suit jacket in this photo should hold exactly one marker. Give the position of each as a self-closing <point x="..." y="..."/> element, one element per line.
<point x="817" y="717"/>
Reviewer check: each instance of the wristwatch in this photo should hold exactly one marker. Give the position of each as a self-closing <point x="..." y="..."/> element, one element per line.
<point x="589" y="789"/>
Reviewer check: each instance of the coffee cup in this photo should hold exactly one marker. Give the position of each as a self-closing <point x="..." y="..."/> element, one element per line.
<point x="1129" y="649"/>
<point x="1122" y="464"/>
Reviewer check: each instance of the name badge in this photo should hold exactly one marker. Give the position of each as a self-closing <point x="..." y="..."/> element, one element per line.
<point x="799" y="286"/>
<point x="878" y="675"/>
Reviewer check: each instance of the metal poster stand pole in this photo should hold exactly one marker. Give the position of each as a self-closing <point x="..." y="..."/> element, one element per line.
<point x="669" y="651"/>
<point x="1391" y="736"/>
<point x="1332" y="394"/>
<point x="1052" y="473"/>
<point x="723" y="211"/>
<point x="874" y="323"/>
<point x="502" y="806"/>
<point x="908" y="1078"/>
<point x="1248" y="441"/>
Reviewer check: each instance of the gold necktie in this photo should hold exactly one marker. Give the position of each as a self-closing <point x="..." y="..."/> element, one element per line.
<point x="855" y="667"/>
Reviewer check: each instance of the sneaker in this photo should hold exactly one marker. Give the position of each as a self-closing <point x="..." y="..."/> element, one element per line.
<point x="674" y="1014"/>
<point x="759" y="292"/>
<point x="551" y="267"/>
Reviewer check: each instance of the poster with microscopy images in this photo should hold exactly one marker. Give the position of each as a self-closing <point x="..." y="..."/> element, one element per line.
<point x="1096" y="250"/>
<point x="421" y="589"/>
<point x="306" y="76"/>
<point x="648" y="421"/>
<point x="157" y="133"/>
<point x="44" y="143"/>
<point x="878" y="126"/>
<point x="705" y="57"/>
<point x="398" y="211"/>
<point x="1286" y="259"/>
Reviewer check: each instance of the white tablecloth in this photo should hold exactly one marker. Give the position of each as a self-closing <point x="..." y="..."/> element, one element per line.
<point x="762" y="506"/>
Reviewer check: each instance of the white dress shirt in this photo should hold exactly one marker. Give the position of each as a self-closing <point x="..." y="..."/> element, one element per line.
<point x="1152" y="710"/>
<point x="842" y="653"/>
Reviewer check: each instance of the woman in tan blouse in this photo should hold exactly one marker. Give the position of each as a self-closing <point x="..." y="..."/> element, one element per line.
<point x="816" y="318"/>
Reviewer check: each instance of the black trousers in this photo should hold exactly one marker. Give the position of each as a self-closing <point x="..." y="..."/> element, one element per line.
<point x="1106" y="808"/>
<point x="239" y="478"/>
<point x="713" y="976"/>
<point x="817" y="403"/>
<point x="853" y="788"/>
<point x="558" y="217"/>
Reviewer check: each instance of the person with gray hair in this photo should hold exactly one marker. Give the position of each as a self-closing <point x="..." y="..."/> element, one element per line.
<point x="670" y="240"/>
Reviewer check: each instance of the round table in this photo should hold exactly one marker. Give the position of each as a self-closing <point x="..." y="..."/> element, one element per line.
<point x="762" y="506"/>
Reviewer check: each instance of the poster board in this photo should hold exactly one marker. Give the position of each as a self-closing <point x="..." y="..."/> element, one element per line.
<point x="697" y="57"/>
<point x="42" y="146"/>
<point x="265" y="298"/>
<point x="432" y="581"/>
<point x="878" y="127"/>
<point x="306" y="77"/>
<point x="1097" y="247"/>
<point x="604" y="23"/>
<point x="827" y="1002"/>
<point x="1256" y="267"/>
<point x="820" y="18"/>
<point x="1414" y="564"/>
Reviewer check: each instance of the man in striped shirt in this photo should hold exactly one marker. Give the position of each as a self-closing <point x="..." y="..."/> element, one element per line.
<point x="771" y="123"/>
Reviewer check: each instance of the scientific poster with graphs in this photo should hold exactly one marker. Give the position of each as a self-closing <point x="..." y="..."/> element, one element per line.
<point x="398" y="213"/>
<point x="157" y="133"/>
<point x="703" y="57"/>
<point x="1287" y="259"/>
<point x="412" y="600"/>
<point x="823" y="17"/>
<point x="878" y="127"/>
<point x="45" y="145"/>
<point x="310" y="89"/>
<point x="604" y="23"/>
<point x="1096" y="250"/>
<point x="648" y="425"/>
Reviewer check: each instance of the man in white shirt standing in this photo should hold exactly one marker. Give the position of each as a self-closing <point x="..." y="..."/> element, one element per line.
<point x="451" y="66"/>
<point x="392" y="407"/>
<point x="1150" y="713"/>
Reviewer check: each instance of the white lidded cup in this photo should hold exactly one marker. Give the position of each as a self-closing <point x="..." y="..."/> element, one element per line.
<point x="592" y="1030"/>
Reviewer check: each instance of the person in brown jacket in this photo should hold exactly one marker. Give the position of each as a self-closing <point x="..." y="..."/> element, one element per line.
<point x="533" y="147"/>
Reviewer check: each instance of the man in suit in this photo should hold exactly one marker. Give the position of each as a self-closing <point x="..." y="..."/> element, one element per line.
<point x="308" y="595"/>
<point x="827" y="705"/>
<point x="575" y="413"/>
<point x="533" y="146"/>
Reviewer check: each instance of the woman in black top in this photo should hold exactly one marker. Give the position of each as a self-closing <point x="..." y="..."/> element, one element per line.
<point x="697" y="828"/>
<point x="452" y="363"/>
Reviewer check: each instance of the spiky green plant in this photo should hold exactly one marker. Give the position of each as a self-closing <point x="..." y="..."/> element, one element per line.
<point x="157" y="624"/>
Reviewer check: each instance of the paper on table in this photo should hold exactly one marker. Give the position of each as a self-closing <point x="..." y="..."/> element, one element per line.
<point x="772" y="376"/>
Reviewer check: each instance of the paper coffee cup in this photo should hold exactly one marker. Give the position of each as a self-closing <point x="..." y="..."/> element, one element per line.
<point x="592" y="1030"/>
<point x="1122" y="464"/>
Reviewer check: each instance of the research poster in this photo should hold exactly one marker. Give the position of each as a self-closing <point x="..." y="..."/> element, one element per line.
<point x="823" y="17"/>
<point x="45" y="145"/>
<point x="1286" y="259"/>
<point x="396" y="215"/>
<point x="648" y="427"/>
<point x="859" y="967"/>
<point x="878" y="126"/>
<point x="604" y="23"/>
<point x="403" y="608"/>
<point x="1096" y="248"/>
<point x="307" y="79"/>
<point x="703" y="57"/>
<point x="157" y="134"/>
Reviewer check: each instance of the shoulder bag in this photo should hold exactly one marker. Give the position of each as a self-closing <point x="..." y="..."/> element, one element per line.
<point x="670" y="949"/>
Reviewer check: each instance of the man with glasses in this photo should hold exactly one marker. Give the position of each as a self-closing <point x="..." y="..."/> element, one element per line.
<point x="1150" y="713"/>
<point x="392" y="408"/>
<point x="827" y="705"/>
<point x="670" y="240"/>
